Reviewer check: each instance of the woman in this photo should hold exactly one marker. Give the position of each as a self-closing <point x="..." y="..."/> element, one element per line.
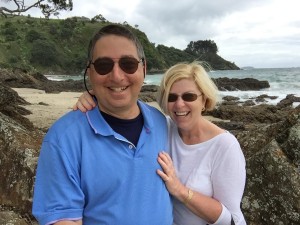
<point x="205" y="171"/>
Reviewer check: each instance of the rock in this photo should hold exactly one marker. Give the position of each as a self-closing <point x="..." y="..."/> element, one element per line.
<point x="250" y="114"/>
<point x="245" y="84"/>
<point x="21" y="79"/>
<point x="9" y="105"/>
<point x="249" y="103"/>
<point x="13" y="218"/>
<point x="19" y="149"/>
<point x="230" y="98"/>
<point x="149" y="88"/>
<point x="288" y="101"/>
<point x="273" y="179"/>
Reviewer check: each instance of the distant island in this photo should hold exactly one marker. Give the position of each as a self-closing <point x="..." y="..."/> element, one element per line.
<point x="247" y="68"/>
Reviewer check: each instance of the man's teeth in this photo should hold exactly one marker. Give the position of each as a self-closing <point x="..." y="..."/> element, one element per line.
<point x="181" y="113"/>
<point x="119" y="89"/>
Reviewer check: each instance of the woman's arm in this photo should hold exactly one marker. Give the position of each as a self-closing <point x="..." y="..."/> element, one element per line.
<point x="85" y="102"/>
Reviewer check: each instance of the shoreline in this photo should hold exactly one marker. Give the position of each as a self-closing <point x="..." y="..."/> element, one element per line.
<point x="46" y="108"/>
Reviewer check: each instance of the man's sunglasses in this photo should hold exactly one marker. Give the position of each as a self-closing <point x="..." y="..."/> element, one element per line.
<point x="187" y="97"/>
<point x="105" y="65"/>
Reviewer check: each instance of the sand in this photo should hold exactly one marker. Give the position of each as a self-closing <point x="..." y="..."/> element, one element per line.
<point x="46" y="108"/>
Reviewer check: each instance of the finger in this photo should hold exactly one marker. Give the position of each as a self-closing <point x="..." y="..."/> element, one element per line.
<point x="166" y="158"/>
<point x="163" y="176"/>
<point x="80" y="107"/>
<point x="87" y="100"/>
<point x="162" y="163"/>
<point x="167" y="155"/>
<point x="167" y="168"/>
<point x="75" y="107"/>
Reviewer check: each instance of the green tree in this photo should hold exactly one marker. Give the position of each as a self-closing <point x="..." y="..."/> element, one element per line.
<point x="98" y="18"/>
<point x="67" y="27"/>
<point x="202" y="47"/>
<point x="48" y="8"/>
<point x="43" y="53"/>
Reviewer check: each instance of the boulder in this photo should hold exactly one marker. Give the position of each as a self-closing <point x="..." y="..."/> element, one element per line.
<point x="19" y="149"/>
<point x="272" y="194"/>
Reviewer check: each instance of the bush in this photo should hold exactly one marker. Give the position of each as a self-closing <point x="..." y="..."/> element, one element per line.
<point x="43" y="53"/>
<point x="33" y="35"/>
<point x="9" y="32"/>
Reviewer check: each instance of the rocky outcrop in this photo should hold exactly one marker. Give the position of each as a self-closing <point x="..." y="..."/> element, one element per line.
<point x="245" y="84"/>
<point x="10" y="103"/>
<point x="272" y="194"/>
<point x="22" y="79"/>
<point x="270" y="138"/>
<point x="19" y="147"/>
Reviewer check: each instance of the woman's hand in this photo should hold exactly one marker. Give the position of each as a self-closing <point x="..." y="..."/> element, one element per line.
<point x="85" y="102"/>
<point x="168" y="174"/>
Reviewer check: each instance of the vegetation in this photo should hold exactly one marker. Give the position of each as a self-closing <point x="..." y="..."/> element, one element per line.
<point x="48" y="8"/>
<point x="59" y="46"/>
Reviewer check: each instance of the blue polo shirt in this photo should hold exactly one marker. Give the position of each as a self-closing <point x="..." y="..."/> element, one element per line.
<point x="87" y="171"/>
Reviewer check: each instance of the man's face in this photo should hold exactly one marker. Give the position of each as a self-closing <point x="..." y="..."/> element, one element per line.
<point x="117" y="91"/>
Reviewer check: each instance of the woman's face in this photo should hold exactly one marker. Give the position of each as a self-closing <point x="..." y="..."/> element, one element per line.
<point x="185" y="113"/>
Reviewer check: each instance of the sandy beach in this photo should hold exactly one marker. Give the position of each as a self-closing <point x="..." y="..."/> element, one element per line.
<point x="47" y="107"/>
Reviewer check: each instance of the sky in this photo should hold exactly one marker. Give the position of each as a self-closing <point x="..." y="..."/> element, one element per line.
<point x="257" y="33"/>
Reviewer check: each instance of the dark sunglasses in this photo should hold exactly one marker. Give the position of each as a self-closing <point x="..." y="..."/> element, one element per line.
<point x="105" y="65"/>
<point x="187" y="97"/>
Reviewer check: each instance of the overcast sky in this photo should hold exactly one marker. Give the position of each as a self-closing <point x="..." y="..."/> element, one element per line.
<point x="258" y="33"/>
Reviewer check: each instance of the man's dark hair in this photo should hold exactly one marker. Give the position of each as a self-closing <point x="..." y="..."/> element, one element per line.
<point x="118" y="30"/>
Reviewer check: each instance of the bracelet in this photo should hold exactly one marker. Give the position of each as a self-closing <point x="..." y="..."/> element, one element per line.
<point x="189" y="197"/>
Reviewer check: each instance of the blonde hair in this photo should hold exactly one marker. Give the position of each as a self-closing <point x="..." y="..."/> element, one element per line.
<point x="194" y="71"/>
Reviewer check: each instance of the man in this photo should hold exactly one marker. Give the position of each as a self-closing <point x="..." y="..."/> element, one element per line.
<point x="99" y="167"/>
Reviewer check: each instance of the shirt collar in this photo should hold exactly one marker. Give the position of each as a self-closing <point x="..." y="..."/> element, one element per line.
<point x="100" y="126"/>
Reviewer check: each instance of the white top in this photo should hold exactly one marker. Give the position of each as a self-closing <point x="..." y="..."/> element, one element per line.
<point x="215" y="168"/>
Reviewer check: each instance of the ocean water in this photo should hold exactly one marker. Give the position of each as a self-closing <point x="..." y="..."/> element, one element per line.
<point x="283" y="81"/>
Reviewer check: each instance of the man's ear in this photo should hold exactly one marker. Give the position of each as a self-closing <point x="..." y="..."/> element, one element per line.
<point x="87" y="73"/>
<point x="88" y="68"/>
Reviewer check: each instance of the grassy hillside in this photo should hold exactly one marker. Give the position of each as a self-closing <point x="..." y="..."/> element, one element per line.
<point x="60" y="46"/>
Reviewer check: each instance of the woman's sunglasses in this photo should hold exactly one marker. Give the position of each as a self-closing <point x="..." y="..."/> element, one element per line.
<point x="187" y="97"/>
<point x="105" y="65"/>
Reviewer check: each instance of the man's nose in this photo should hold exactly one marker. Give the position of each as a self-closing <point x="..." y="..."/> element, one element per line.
<point x="117" y="74"/>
